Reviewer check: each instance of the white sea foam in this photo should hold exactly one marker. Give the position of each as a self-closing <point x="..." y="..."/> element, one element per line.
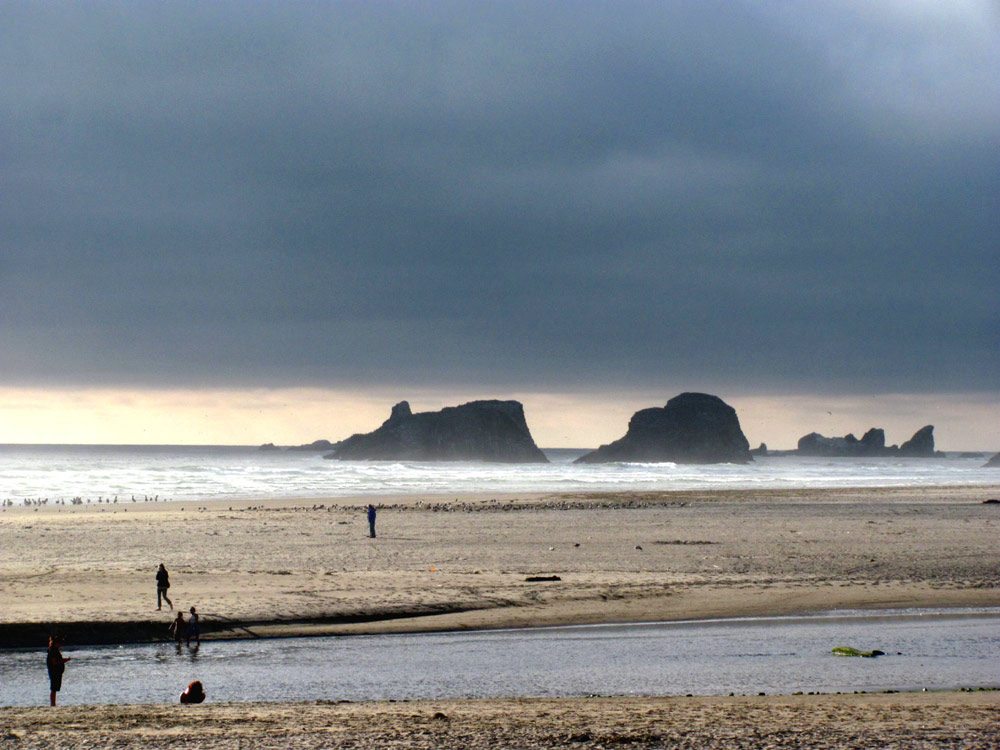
<point x="200" y="473"/>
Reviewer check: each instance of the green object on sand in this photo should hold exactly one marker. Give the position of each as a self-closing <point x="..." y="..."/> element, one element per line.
<point x="848" y="651"/>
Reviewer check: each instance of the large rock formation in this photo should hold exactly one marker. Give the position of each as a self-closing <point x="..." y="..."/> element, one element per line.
<point x="693" y="428"/>
<point x="477" y="431"/>
<point x="921" y="445"/>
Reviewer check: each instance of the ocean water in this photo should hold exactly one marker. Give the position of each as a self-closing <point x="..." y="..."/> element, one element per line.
<point x="227" y="472"/>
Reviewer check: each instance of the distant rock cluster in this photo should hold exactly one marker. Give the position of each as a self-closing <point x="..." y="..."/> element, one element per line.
<point x="315" y="445"/>
<point x="693" y="428"/>
<point x="872" y="443"/>
<point x="477" y="431"/>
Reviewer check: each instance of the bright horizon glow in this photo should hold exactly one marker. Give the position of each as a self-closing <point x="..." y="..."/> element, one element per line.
<point x="294" y="416"/>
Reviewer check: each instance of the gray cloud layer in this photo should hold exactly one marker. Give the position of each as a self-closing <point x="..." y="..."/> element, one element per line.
<point x="513" y="194"/>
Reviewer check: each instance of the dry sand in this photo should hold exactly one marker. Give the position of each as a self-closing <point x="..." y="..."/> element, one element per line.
<point x="308" y="567"/>
<point x="911" y="721"/>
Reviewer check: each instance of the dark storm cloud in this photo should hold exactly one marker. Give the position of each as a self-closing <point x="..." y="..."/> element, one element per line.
<point x="510" y="194"/>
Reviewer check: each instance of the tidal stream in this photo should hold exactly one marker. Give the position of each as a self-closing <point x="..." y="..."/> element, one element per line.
<point x="923" y="649"/>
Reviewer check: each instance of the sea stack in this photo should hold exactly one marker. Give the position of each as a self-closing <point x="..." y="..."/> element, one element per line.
<point x="494" y="431"/>
<point x="921" y="445"/>
<point x="693" y="428"/>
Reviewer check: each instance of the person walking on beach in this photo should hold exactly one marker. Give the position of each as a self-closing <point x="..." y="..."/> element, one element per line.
<point x="162" y="584"/>
<point x="193" y="629"/>
<point x="56" y="664"/>
<point x="178" y="628"/>
<point x="371" y="521"/>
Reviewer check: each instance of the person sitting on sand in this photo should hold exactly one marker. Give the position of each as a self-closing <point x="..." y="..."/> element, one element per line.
<point x="56" y="664"/>
<point x="194" y="693"/>
<point x="178" y="628"/>
<point x="162" y="584"/>
<point x="193" y="628"/>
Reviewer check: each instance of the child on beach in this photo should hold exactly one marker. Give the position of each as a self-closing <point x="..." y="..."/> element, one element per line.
<point x="56" y="664"/>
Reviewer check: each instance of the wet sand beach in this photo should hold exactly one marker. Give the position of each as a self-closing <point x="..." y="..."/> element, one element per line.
<point x="300" y="567"/>
<point x="911" y="721"/>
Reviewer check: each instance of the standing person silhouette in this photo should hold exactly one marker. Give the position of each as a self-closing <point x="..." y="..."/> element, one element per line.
<point x="178" y="629"/>
<point x="371" y="521"/>
<point x="194" y="628"/>
<point x="162" y="584"/>
<point x="56" y="664"/>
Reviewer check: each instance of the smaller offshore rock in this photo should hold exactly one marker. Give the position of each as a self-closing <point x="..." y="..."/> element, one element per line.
<point x="872" y="443"/>
<point x="815" y="444"/>
<point x="315" y="445"/>
<point x="921" y="445"/>
<point x="993" y="463"/>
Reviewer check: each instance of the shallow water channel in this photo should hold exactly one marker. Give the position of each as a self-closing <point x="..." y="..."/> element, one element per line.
<point x="924" y="649"/>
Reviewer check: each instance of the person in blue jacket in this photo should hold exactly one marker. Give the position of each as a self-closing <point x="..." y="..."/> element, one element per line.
<point x="371" y="521"/>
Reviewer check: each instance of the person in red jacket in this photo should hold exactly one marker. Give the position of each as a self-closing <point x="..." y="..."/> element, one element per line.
<point x="195" y="693"/>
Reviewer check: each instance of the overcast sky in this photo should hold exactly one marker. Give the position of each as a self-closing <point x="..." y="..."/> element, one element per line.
<point x="765" y="197"/>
